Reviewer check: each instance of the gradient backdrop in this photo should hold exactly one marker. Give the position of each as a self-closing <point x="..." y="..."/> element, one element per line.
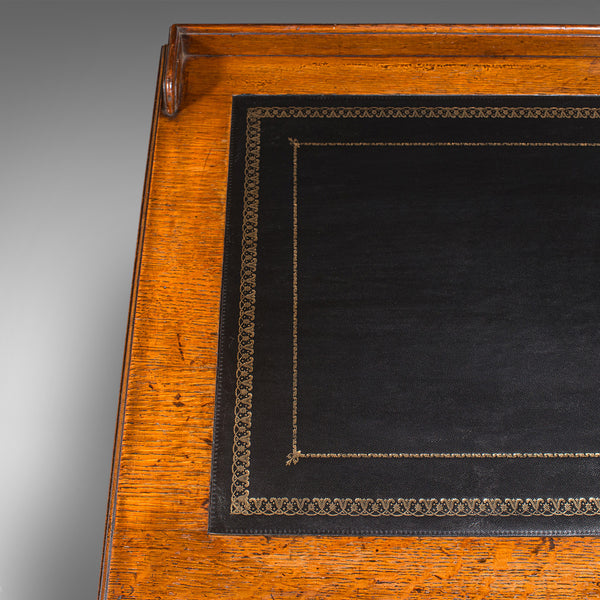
<point x="76" y="91"/>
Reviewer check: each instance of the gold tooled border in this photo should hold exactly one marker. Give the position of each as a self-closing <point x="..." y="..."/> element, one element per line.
<point x="241" y="502"/>
<point x="296" y="454"/>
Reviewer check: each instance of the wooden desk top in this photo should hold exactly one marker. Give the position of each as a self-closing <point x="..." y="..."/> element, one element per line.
<point x="156" y="545"/>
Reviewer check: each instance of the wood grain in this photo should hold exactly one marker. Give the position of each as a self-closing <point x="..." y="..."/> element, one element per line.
<point x="156" y="544"/>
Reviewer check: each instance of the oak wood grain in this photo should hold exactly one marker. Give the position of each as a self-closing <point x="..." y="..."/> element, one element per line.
<point x="156" y="543"/>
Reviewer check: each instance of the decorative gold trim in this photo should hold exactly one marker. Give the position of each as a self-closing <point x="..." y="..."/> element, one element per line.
<point x="426" y="112"/>
<point x="295" y="455"/>
<point x="423" y="507"/>
<point x="405" y="144"/>
<point x="295" y="451"/>
<point x="241" y="502"/>
<point x="245" y="355"/>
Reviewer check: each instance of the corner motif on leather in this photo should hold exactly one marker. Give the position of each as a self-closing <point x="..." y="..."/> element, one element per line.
<point x="293" y="457"/>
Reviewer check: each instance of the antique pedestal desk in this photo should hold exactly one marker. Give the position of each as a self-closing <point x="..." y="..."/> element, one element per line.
<point x="363" y="351"/>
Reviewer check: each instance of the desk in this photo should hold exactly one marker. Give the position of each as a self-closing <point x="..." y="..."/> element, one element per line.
<point x="157" y="546"/>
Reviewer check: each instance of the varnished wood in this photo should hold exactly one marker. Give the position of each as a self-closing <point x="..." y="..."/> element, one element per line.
<point x="173" y="75"/>
<point x="156" y="542"/>
<point x="382" y="41"/>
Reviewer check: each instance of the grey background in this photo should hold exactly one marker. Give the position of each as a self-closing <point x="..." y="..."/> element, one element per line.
<point x="76" y="91"/>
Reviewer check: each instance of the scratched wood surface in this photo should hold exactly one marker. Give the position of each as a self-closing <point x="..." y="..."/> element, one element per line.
<point x="156" y="544"/>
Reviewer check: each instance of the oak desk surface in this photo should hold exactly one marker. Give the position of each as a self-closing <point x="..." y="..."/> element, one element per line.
<point x="156" y="545"/>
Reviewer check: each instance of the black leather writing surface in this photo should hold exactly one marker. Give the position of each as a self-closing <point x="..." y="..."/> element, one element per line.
<point x="409" y="337"/>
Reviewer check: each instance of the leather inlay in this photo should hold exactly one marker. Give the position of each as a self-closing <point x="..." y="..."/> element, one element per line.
<point x="487" y="254"/>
